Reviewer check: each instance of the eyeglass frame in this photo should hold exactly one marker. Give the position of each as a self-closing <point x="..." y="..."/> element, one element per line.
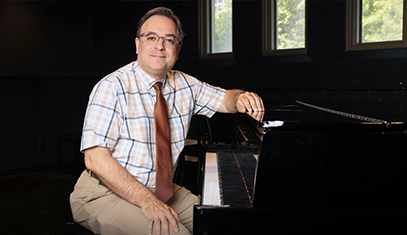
<point x="146" y="34"/>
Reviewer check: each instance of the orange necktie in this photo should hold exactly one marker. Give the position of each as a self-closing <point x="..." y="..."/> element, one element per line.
<point x="163" y="188"/>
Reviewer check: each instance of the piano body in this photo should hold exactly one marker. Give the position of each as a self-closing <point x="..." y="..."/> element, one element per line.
<point x="318" y="173"/>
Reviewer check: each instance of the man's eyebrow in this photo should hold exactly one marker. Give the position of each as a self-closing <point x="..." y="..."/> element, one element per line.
<point x="151" y="32"/>
<point x="170" y="35"/>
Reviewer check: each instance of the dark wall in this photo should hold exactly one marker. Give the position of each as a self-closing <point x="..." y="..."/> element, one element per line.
<point x="52" y="53"/>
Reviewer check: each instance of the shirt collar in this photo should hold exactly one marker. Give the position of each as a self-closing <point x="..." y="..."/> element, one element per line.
<point x="147" y="79"/>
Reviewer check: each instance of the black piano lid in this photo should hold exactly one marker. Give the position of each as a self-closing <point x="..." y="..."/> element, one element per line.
<point x="332" y="169"/>
<point x="319" y="169"/>
<point x="322" y="160"/>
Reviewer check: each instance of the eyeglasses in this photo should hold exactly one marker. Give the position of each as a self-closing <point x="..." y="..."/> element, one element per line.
<point x="169" y="41"/>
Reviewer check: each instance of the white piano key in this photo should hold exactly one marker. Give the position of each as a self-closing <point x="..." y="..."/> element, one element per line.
<point x="210" y="195"/>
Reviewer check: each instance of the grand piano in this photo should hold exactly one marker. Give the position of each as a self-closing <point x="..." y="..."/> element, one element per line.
<point x="304" y="170"/>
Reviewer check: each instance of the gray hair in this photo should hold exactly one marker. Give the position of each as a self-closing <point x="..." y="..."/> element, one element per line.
<point x="162" y="11"/>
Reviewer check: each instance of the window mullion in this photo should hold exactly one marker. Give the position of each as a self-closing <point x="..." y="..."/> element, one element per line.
<point x="274" y="27"/>
<point x="359" y="23"/>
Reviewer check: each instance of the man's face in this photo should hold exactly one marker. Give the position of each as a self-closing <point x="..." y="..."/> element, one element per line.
<point x="156" y="58"/>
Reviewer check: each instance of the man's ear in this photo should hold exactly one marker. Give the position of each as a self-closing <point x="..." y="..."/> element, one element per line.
<point x="137" y="44"/>
<point x="179" y="50"/>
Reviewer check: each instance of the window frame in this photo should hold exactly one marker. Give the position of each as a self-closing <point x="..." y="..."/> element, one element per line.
<point x="270" y="31"/>
<point x="205" y="32"/>
<point x="353" y="28"/>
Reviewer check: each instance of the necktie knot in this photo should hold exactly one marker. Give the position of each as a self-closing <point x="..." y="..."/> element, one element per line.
<point x="158" y="86"/>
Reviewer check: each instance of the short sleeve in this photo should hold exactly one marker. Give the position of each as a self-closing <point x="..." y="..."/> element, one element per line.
<point x="209" y="99"/>
<point x="103" y="117"/>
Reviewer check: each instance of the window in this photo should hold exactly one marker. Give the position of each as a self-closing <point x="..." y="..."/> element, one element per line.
<point x="216" y="38"/>
<point x="284" y="27"/>
<point x="220" y="6"/>
<point x="375" y="24"/>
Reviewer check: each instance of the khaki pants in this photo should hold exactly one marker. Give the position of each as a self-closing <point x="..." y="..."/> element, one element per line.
<point x="100" y="210"/>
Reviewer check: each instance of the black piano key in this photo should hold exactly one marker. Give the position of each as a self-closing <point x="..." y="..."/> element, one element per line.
<point x="232" y="187"/>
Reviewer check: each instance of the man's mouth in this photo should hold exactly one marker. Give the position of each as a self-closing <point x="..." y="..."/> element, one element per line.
<point x="158" y="56"/>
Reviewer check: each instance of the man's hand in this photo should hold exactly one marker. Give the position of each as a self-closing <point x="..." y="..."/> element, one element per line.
<point x="250" y="103"/>
<point x="243" y="102"/>
<point x="158" y="215"/>
<point x="117" y="179"/>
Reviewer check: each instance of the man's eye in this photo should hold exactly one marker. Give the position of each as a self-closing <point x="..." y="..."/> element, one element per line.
<point x="170" y="40"/>
<point x="151" y="38"/>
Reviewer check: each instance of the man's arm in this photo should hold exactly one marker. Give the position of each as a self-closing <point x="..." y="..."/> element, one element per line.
<point x="243" y="102"/>
<point x="100" y="161"/>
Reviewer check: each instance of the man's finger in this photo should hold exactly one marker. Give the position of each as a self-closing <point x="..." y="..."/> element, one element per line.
<point x="150" y="226"/>
<point x="173" y="220"/>
<point x="157" y="225"/>
<point x="257" y="115"/>
<point x="165" y="227"/>
<point x="175" y="214"/>
<point x="247" y="102"/>
<point x="255" y="102"/>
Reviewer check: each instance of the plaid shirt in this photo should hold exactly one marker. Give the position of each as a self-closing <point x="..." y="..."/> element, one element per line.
<point x="120" y="116"/>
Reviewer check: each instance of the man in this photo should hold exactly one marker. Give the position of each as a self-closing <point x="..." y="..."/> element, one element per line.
<point x="116" y="194"/>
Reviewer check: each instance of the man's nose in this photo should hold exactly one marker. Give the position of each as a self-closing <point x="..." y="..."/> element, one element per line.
<point x="160" y="45"/>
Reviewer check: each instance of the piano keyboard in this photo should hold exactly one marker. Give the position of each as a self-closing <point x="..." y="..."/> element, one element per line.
<point x="223" y="183"/>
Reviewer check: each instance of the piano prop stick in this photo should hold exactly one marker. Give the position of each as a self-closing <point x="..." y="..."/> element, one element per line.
<point x="354" y="116"/>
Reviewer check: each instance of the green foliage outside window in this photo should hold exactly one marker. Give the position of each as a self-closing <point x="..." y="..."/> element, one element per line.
<point x="382" y="20"/>
<point x="222" y="38"/>
<point x="290" y="24"/>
